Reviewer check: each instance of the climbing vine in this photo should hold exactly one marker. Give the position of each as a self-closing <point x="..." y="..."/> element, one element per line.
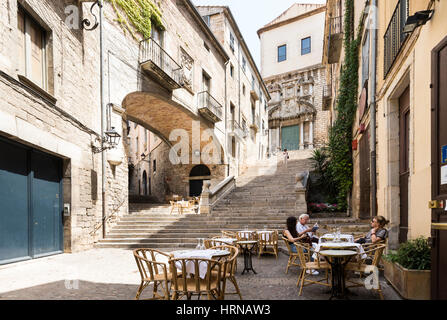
<point x="340" y="135"/>
<point x="137" y="16"/>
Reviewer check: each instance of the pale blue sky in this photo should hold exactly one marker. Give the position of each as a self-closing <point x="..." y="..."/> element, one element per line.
<point x="251" y="15"/>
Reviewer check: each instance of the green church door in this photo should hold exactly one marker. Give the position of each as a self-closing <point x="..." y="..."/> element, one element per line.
<point x="290" y="137"/>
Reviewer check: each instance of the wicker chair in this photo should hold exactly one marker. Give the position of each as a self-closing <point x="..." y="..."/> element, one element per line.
<point x="152" y="265"/>
<point x="230" y="269"/>
<point x="268" y="243"/>
<point x="248" y="236"/>
<point x="292" y="255"/>
<point x="307" y="265"/>
<point x="213" y="242"/>
<point x="229" y="234"/>
<point x="373" y="252"/>
<point x="182" y="285"/>
<point x="175" y="205"/>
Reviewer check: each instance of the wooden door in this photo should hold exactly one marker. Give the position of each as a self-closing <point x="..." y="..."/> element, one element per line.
<point x="404" y="161"/>
<point x="290" y="137"/>
<point x="439" y="171"/>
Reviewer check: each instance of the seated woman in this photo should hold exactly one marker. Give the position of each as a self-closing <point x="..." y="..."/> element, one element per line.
<point x="377" y="233"/>
<point x="291" y="234"/>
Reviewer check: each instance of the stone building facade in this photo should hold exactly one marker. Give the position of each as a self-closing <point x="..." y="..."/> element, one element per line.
<point x="246" y="94"/>
<point x="291" y="58"/>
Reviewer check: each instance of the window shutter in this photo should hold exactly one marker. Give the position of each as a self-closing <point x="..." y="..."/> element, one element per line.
<point x="21" y="42"/>
<point x="37" y="56"/>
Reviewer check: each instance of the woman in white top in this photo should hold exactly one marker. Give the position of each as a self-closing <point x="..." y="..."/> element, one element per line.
<point x="286" y="156"/>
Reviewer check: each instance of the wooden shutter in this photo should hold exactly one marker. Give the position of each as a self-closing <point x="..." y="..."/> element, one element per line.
<point x="36" y="52"/>
<point x="21" y="42"/>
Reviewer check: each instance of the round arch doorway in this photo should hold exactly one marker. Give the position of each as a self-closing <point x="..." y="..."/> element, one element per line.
<point x="197" y="175"/>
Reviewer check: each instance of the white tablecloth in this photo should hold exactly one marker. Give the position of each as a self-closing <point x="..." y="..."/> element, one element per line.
<point x="200" y="254"/>
<point x="340" y="245"/>
<point x="330" y="237"/>
<point x="265" y="235"/>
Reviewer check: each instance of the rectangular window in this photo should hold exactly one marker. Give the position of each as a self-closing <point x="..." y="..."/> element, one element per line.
<point x="32" y="43"/>
<point x="232" y="71"/>
<point x="305" y="46"/>
<point x="231" y="42"/>
<point x="154" y="165"/>
<point x="206" y="82"/>
<point x="206" y="46"/>
<point x="365" y="59"/>
<point x="207" y="20"/>
<point x="244" y="64"/>
<point x="282" y="53"/>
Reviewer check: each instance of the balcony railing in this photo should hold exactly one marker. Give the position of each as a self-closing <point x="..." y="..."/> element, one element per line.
<point x="235" y="128"/>
<point x="336" y="25"/>
<point x="159" y="64"/>
<point x="209" y="107"/>
<point x="327" y="91"/>
<point x="335" y="39"/>
<point x="394" y="35"/>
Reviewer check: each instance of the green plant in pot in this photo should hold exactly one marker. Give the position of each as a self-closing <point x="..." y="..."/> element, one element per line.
<point x="408" y="269"/>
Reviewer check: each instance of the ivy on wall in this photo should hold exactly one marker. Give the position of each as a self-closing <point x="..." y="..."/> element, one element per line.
<point x="340" y="135"/>
<point x="137" y="16"/>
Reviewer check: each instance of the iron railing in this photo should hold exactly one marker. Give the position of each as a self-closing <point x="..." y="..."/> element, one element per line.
<point x="234" y="126"/>
<point x="206" y="100"/>
<point x="150" y="50"/>
<point x="327" y="91"/>
<point x="336" y="25"/>
<point x="394" y="36"/>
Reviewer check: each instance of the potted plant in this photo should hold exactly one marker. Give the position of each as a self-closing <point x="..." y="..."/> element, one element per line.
<point x="408" y="269"/>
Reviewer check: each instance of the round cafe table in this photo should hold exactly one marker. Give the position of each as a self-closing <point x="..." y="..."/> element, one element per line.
<point x="246" y="247"/>
<point x="338" y="260"/>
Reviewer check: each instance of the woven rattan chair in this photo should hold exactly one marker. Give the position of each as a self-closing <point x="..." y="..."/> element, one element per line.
<point x="307" y="265"/>
<point x="229" y="234"/>
<point x="362" y="267"/>
<point x="187" y="285"/>
<point x="175" y="205"/>
<point x="249" y="236"/>
<point x="153" y="268"/>
<point x="213" y="242"/>
<point x="292" y="255"/>
<point x="268" y="243"/>
<point x="230" y="269"/>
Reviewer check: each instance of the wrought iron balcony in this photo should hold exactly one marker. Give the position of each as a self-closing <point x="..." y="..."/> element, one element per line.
<point x="255" y="124"/>
<point x="394" y="35"/>
<point x="327" y="91"/>
<point x="234" y="128"/>
<point x="209" y="107"/>
<point x="158" y="63"/>
<point x="335" y="39"/>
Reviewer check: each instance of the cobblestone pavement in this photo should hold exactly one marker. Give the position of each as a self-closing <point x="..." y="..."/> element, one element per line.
<point x="111" y="274"/>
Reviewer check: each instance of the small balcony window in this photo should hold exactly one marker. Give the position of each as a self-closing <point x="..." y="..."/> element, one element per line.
<point x="305" y="46"/>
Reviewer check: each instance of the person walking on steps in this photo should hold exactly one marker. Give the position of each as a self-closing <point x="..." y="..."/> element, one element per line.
<point x="286" y="157"/>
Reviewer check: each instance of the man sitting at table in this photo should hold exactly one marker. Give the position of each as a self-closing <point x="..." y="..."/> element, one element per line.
<point x="302" y="228"/>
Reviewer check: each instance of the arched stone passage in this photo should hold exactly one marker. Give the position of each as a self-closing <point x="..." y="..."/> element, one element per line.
<point x="162" y="115"/>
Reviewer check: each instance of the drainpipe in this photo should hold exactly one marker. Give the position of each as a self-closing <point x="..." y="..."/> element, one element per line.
<point x="225" y="123"/>
<point x="103" y="116"/>
<point x="372" y="110"/>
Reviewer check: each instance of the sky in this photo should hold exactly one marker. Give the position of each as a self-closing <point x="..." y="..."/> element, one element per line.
<point x="251" y="15"/>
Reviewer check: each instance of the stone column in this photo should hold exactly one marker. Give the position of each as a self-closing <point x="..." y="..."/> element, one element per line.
<point x="311" y="135"/>
<point x="301" y="135"/>
<point x="204" y="205"/>
<point x="300" y="192"/>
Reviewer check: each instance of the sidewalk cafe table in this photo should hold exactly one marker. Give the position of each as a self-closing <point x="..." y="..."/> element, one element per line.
<point x="338" y="260"/>
<point x="247" y="246"/>
<point x="340" y="246"/>
<point x="199" y="254"/>
<point x="331" y="237"/>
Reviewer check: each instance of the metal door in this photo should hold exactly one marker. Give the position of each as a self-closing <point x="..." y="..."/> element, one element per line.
<point x="30" y="197"/>
<point x="439" y="172"/>
<point x="14" y="202"/>
<point x="46" y="204"/>
<point x="290" y="137"/>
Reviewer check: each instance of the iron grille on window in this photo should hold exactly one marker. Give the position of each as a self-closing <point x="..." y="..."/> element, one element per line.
<point x="394" y="35"/>
<point x="336" y="25"/>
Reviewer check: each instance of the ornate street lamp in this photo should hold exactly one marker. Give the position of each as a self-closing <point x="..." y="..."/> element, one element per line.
<point x="110" y="140"/>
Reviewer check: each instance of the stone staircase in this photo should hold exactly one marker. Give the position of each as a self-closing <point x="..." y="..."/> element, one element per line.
<point x="264" y="196"/>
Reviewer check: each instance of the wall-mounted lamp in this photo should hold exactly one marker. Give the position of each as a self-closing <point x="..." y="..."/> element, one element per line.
<point x="110" y="141"/>
<point x="416" y="20"/>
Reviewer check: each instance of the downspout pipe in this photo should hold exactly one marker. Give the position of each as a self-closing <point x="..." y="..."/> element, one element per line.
<point x="226" y="120"/>
<point x="103" y="115"/>
<point x="372" y="107"/>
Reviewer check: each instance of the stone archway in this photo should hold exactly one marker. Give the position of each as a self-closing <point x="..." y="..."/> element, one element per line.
<point x="197" y="176"/>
